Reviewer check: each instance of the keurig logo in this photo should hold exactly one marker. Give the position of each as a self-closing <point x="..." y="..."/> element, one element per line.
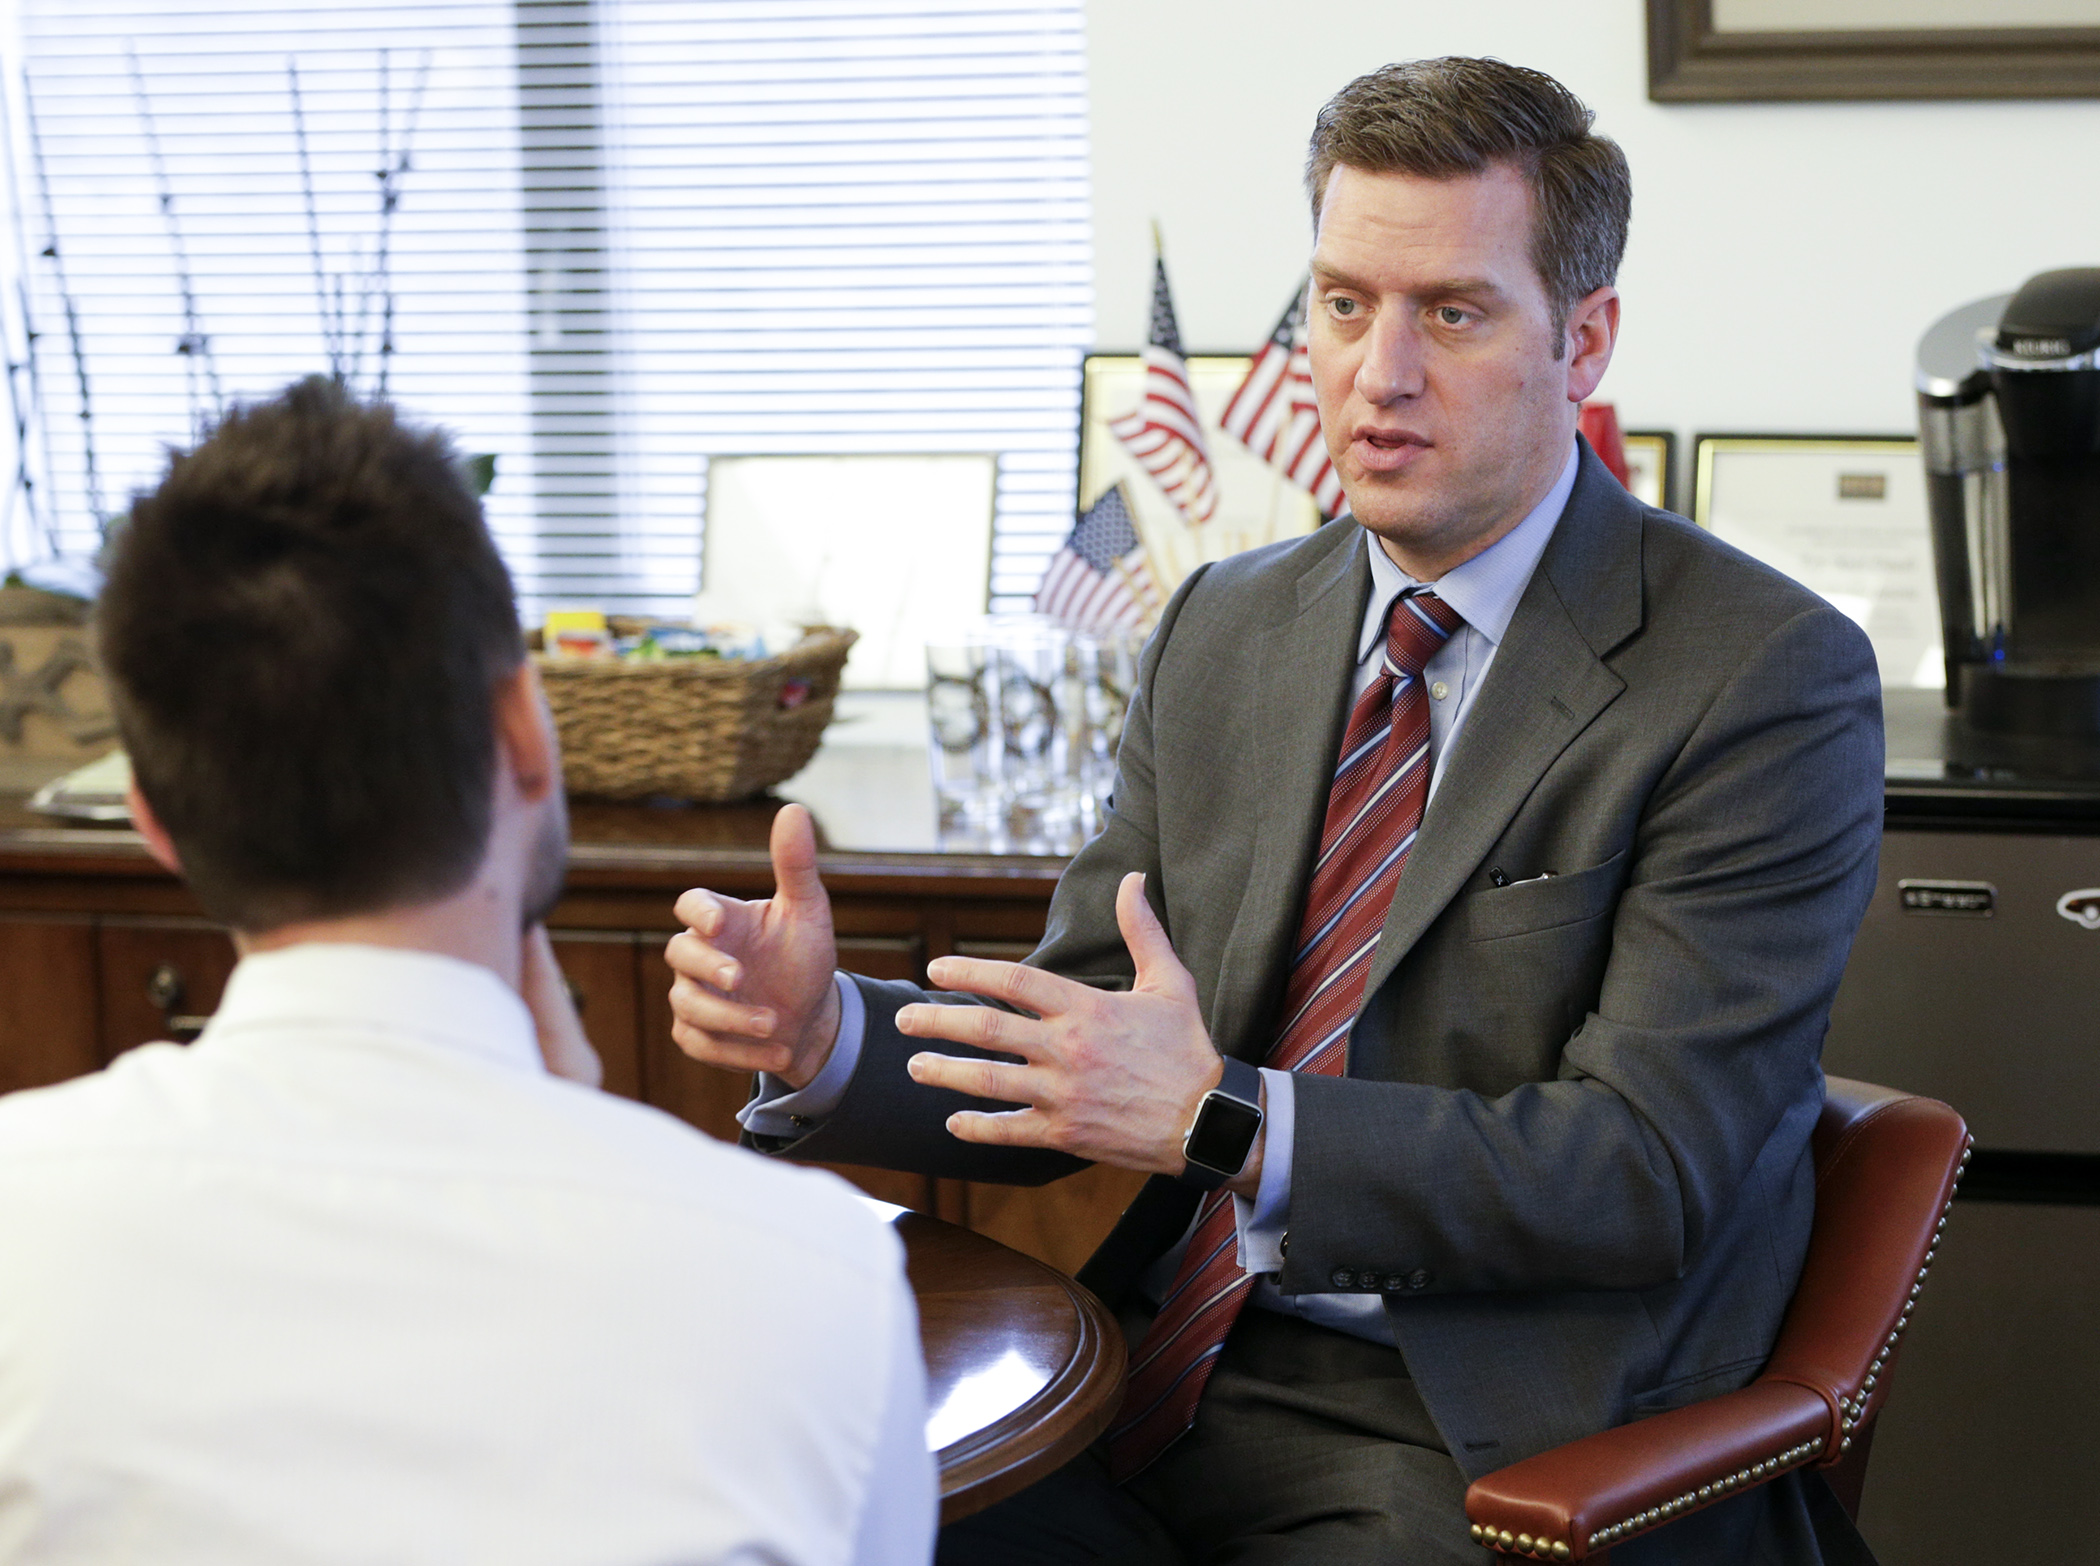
<point x="2081" y="907"/>
<point x="1962" y="899"/>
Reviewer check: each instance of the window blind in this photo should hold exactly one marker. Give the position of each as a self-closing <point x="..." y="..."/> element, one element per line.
<point x="628" y="235"/>
<point x="205" y="259"/>
<point x="858" y="226"/>
<point x="23" y="534"/>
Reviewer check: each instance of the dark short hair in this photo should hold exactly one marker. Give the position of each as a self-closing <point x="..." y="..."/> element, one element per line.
<point x="1444" y="119"/>
<point x="303" y="629"/>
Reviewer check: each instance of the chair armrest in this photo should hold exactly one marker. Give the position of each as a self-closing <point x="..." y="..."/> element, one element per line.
<point x="1578" y="1500"/>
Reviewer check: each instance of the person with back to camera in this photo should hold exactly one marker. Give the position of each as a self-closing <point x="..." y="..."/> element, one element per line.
<point x="1459" y="947"/>
<point x="358" y="1277"/>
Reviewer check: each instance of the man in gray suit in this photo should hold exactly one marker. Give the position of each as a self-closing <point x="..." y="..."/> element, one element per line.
<point x="1557" y="1151"/>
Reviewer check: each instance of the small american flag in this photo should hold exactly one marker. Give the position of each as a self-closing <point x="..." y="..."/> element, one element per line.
<point x="1100" y="580"/>
<point x="1275" y="415"/>
<point x="1164" y="432"/>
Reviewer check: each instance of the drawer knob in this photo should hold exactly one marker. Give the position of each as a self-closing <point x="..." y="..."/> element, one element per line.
<point x="167" y="991"/>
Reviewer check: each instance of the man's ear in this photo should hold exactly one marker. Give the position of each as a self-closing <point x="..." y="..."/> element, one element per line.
<point x="1593" y="329"/>
<point x="147" y="824"/>
<point x="525" y="739"/>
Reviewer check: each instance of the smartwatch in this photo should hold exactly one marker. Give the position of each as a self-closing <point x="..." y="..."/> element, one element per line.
<point x="1221" y="1136"/>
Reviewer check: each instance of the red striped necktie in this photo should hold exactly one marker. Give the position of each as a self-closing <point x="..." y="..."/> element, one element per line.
<point x="1374" y="808"/>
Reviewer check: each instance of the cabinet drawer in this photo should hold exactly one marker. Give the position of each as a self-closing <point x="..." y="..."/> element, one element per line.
<point x="883" y="957"/>
<point x="47" y="1001"/>
<point x="160" y="979"/>
<point x="600" y="968"/>
<point x="995" y="951"/>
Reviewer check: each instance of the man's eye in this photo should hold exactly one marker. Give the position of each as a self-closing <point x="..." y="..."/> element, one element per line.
<point x="1451" y="315"/>
<point x="1342" y="307"/>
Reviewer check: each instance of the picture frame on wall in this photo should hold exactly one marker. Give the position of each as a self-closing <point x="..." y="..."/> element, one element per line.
<point x="1845" y="516"/>
<point x="1770" y="50"/>
<point x="1651" y="466"/>
<point x="811" y="538"/>
<point x="1256" y="504"/>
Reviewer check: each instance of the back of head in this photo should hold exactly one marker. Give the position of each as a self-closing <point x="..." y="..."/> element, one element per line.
<point x="1453" y="117"/>
<point x="303" y="629"/>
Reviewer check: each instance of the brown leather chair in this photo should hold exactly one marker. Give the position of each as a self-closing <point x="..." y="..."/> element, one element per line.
<point x="1886" y="1168"/>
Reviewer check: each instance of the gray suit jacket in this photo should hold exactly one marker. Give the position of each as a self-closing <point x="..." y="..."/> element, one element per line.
<point x="1571" y="1150"/>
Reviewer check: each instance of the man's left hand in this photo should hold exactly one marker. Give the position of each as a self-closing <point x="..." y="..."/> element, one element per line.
<point x="1114" y="1077"/>
<point x="563" y="1044"/>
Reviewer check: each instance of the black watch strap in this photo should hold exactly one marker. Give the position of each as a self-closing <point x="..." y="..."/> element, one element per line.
<point x="1221" y="1136"/>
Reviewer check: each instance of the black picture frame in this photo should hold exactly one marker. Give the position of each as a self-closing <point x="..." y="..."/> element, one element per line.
<point x="1691" y="61"/>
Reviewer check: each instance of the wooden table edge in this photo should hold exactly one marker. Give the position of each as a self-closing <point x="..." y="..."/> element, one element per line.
<point x="61" y="850"/>
<point x="975" y="1474"/>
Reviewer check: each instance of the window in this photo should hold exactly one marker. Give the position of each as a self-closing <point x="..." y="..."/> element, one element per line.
<point x="629" y="236"/>
<point x="266" y="265"/>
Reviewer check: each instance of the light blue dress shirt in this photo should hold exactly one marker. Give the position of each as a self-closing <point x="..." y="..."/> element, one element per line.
<point x="1484" y="591"/>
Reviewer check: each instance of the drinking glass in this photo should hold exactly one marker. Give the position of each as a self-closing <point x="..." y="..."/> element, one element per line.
<point x="966" y="747"/>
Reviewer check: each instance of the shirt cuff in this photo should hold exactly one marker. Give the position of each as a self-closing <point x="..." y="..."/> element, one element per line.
<point x="1263" y="1221"/>
<point x="778" y="1110"/>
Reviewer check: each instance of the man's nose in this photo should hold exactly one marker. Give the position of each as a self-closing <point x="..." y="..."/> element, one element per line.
<point x="1392" y="365"/>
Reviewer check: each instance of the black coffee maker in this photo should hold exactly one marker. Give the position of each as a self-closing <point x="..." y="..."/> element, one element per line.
<point x="2009" y="420"/>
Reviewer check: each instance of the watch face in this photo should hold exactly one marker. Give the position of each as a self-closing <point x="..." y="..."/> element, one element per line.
<point x="1223" y="1134"/>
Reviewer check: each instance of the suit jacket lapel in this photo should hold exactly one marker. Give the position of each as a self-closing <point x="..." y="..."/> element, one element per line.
<point x="1547" y="683"/>
<point x="1299" y="694"/>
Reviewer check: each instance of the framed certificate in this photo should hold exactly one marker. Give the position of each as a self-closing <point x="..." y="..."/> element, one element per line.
<point x="1845" y="516"/>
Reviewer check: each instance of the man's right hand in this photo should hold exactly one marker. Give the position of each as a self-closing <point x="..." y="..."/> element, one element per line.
<point x="754" y="990"/>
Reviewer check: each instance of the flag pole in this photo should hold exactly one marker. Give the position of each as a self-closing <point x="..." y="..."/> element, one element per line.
<point x="1151" y="612"/>
<point x="1137" y="525"/>
<point x="1182" y="521"/>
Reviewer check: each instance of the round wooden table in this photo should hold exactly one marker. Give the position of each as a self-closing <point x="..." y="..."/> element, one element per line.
<point x="1023" y="1366"/>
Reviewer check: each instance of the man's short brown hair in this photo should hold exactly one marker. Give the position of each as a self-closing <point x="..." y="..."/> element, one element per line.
<point x="1448" y="118"/>
<point x="303" y="629"/>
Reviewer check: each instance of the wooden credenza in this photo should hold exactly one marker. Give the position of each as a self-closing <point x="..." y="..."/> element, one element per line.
<point x="101" y="951"/>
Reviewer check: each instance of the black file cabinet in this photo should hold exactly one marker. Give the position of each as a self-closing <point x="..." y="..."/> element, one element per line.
<point x="1976" y="979"/>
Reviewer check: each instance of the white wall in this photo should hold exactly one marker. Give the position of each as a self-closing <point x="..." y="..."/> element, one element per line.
<point x="1784" y="258"/>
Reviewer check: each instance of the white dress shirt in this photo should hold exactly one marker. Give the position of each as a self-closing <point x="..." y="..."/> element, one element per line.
<point x="1485" y="591"/>
<point x="353" y="1279"/>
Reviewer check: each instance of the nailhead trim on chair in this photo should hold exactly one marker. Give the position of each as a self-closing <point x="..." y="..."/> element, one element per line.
<point x="1850" y="1415"/>
<point x="1691" y="1500"/>
<point x="1522" y="1544"/>
<point x="1853" y="1414"/>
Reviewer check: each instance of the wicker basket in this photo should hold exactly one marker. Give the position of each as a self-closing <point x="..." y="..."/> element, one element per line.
<point x="707" y="729"/>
